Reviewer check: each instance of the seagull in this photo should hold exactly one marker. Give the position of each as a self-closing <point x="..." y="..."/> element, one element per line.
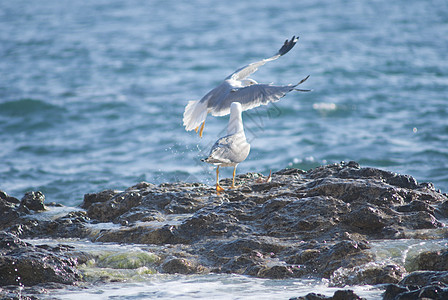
<point x="231" y="149"/>
<point x="238" y="87"/>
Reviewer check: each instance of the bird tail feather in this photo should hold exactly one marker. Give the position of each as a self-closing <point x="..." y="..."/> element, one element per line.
<point x="194" y="114"/>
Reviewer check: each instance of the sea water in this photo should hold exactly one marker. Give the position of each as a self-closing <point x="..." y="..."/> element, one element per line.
<point x="92" y="92"/>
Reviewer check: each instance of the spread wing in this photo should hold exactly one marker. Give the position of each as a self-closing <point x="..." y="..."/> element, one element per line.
<point x="245" y="71"/>
<point x="254" y="95"/>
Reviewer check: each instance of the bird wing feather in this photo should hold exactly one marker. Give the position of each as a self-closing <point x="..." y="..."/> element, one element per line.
<point x="253" y="96"/>
<point x="245" y="71"/>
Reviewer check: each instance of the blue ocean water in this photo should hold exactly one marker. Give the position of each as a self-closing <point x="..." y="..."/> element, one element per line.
<point x="92" y="92"/>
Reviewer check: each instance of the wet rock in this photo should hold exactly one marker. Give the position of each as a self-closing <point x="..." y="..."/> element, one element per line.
<point x="370" y="273"/>
<point x="433" y="291"/>
<point x="7" y="201"/>
<point x="24" y="264"/>
<point x="443" y="208"/>
<point x="393" y="290"/>
<point x="100" y="197"/>
<point x="110" y="210"/>
<point x="290" y="171"/>
<point x="8" y="209"/>
<point x="345" y="254"/>
<point x="424" y="278"/>
<point x="316" y="223"/>
<point x="141" y="234"/>
<point x="338" y="295"/>
<point x="71" y="225"/>
<point x="276" y="272"/>
<point x="416" y="205"/>
<point x="33" y="201"/>
<point x="420" y="285"/>
<point x="181" y="266"/>
<point x="367" y="219"/>
<point x="432" y="261"/>
<point x="35" y="292"/>
<point x="139" y="214"/>
<point x="316" y="220"/>
<point x="421" y="220"/>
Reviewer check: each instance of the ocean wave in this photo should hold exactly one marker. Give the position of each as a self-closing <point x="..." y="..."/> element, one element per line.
<point x="28" y="106"/>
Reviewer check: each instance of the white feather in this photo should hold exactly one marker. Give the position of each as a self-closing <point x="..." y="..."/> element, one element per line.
<point x="194" y="114"/>
<point x="235" y="120"/>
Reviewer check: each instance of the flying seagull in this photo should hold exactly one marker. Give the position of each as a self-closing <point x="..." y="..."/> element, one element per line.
<point x="238" y="87"/>
<point x="231" y="149"/>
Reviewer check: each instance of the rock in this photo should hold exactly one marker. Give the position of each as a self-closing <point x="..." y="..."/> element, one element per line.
<point x="370" y="274"/>
<point x="433" y="291"/>
<point x="338" y="295"/>
<point x="110" y="210"/>
<point x="420" y="285"/>
<point x="276" y="272"/>
<point x="181" y="266"/>
<point x="100" y="197"/>
<point x="24" y="264"/>
<point x="71" y="225"/>
<point x="424" y="278"/>
<point x="393" y="290"/>
<point x="7" y="199"/>
<point x="140" y="234"/>
<point x="432" y="261"/>
<point x="33" y="201"/>
<point x="317" y="223"/>
<point x="8" y="209"/>
<point x="367" y="219"/>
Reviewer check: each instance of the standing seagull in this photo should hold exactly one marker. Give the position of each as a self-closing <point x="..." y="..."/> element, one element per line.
<point x="238" y="88"/>
<point x="232" y="149"/>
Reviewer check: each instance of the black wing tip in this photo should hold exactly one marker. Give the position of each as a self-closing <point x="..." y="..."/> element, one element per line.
<point x="288" y="45"/>
<point x="302" y="81"/>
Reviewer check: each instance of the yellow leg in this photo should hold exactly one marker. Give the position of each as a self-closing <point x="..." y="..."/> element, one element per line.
<point x="196" y="129"/>
<point x="218" y="187"/>
<point x="269" y="177"/>
<point x="202" y="129"/>
<point x="233" y="178"/>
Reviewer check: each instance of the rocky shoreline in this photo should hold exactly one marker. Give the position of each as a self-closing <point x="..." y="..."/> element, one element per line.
<point x="320" y="223"/>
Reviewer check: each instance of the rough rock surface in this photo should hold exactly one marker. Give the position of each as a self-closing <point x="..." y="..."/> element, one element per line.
<point x="24" y="264"/>
<point x="420" y="285"/>
<point x="338" y="295"/>
<point x="318" y="223"/>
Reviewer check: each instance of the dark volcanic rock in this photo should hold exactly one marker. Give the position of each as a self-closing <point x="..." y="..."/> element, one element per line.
<point x="110" y="210"/>
<point x="8" y="209"/>
<point x="298" y="224"/>
<point x="33" y="201"/>
<point x="181" y="266"/>
<point x="433" y="261"/>
<point x="317" y="223"/>
<point x="24" y="264"/>
<point x="423" y="278"/>
<point x="100" y="197"/>
<point x="433" y="291"/>
<point x="370" y="273"/>
<point x="338" y="295"/>
<point x="420" y="285"/>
